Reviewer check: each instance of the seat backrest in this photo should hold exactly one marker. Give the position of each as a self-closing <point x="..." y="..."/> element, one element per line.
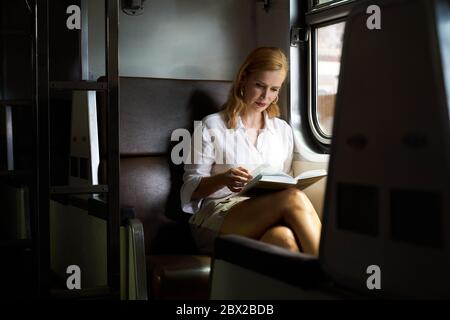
<point x="150" y="110"/>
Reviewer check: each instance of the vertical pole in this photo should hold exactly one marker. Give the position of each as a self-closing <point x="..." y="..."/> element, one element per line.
<point x="41" y="236"/>
<point x="9" y="138"/>
<point x="84" y="41"/>
<point x="113" y="167"/>
<point x="3" y="52"/>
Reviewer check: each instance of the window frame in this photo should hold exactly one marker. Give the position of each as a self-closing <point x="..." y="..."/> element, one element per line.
<point x="318" y="16"/>
<point x="314" y="3"/>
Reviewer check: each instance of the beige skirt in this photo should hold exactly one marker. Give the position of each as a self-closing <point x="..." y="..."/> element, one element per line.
<point x="207" y="222"/>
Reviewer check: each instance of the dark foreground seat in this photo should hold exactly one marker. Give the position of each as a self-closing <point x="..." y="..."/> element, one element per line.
<point x="150" y="110"/>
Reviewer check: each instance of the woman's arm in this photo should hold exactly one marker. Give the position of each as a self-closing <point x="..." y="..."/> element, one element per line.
<point x="207" y="186"/>
<point x="235" y="179"/>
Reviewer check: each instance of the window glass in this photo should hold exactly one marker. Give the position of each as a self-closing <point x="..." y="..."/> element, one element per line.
<point x="329" y="48"/>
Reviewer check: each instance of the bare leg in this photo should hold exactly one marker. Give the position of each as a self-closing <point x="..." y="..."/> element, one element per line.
<point x="253" y="217"/>
<point x="281" y="236"/>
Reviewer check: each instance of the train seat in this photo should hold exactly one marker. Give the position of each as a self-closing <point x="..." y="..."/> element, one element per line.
<point x="150" y="110"/>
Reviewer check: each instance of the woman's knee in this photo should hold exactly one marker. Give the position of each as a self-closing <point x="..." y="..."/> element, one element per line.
<point x="294" y="200"/>
<point x="291" y="194"/>
<point x="281" y="236"/>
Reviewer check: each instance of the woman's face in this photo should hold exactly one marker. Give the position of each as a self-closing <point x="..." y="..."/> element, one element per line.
<point x="261" y="89"/>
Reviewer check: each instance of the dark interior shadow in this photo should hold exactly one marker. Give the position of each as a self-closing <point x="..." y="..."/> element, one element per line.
<point x="200" y="105"/>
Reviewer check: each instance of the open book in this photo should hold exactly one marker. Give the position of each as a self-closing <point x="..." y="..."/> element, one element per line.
<point x="266" y="180"/>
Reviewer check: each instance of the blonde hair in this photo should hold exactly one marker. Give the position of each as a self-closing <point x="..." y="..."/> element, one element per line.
<point x="260" y="59"/>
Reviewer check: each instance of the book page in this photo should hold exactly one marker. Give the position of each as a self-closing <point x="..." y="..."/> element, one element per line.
<point x="267" y="170"/>
<point x="311" y="174"/>
<point x="281" y="178"/>
<point x="261" y="184"/>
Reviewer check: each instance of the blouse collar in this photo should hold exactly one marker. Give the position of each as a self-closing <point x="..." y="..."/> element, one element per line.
<point x="268" y="123"/>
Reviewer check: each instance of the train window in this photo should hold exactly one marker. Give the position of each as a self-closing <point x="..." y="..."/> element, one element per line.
<point x="326" y="22"/>
<point x="328" y="62"/>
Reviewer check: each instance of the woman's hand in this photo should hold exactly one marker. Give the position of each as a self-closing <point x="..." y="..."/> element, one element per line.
<point x="236" y="178"/>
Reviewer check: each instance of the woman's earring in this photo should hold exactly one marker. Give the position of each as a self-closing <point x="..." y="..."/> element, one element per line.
<point x="242" y="93"/>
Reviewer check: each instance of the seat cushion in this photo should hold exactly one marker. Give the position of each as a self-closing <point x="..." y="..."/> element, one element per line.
<point x="178" y="277"/>
<point x="149" y="185"/>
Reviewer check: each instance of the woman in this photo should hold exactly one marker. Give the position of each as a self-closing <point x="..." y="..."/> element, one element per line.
<point x="247" y="133"/>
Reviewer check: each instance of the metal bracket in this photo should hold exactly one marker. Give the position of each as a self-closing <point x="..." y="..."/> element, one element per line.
<point x="298" y="36"/>
<point x="133" y="7"/>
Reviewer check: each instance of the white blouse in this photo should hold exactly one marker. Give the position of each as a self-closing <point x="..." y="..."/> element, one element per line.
<point x="225" y="148"/>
